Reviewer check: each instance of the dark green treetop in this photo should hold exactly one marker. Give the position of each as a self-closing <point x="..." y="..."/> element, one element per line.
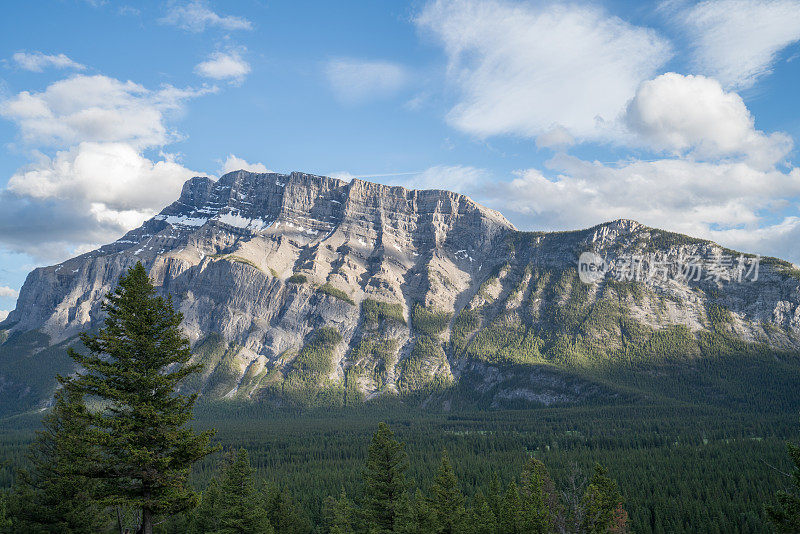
<point x="54" y="495"/>
<point x="384" y="479"/>
<point x="242" y="509"/>
<point x="447" y="502"/>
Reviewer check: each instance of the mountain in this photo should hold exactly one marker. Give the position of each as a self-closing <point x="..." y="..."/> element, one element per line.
<point x="306" y="289"/>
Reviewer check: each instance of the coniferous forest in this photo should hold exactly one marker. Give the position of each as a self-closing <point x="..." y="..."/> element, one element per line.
<point x="122" y="451"/>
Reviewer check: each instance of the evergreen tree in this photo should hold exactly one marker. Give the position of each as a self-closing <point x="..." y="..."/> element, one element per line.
<point x="509" y="520"/>
<point x="134" y="366"/>
<point x="54" y="496"/>
<point x="384" y="480"/>
<point x="339" y="514"/>
<point x="482" y="519"/>
<point x="447" y="502"/>
<point x="241" y="510"/>
<point x="538" y="500"/>
<point x="5" y="513"/>
<point x="785" y="515"/>
<point x="600" y="501"/>
<point x="414" y="515"/>
<point x="205" y="518"/>
<point x="495" y="496"/>
<point x="284" y="515"/>
<point x="5" y="517"/>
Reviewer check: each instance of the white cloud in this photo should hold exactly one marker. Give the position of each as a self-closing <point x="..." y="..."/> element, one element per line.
<point x="8" y="292"/>
<point x="738" y="41"/>
<point x="92" y="193"/>
<point x="4" y="314"/>
<point x="95" y="108"/>
<point x="38" y="61"/>
<point x="197" y="16"/>
<point x="694" y="115"/>
<point x="224" y="66"/>
<point x="356" y="80"/>
<point x="232" y="163"/>
<point x="722" y="201"/>
<point x="98" y="183"/>
<point x="779" y="239"/>
<point x="112" y="175"/>
<point x="557" y="138"/>
<point x="520" y="68"/>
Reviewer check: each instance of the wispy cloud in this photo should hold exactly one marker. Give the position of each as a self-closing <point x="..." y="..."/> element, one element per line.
<point x="357" y="80"/>
<point x="524" y="68"/>
<point x="197" y="16"/>
<point x="738" y="41"/>
<point x="38" y="61"/>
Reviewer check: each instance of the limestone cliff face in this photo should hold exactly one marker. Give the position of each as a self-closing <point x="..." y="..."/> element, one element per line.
<point x="264" y="266"/>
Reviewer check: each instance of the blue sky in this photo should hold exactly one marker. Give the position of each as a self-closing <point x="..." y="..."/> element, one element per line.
<point x="678" y="114"/>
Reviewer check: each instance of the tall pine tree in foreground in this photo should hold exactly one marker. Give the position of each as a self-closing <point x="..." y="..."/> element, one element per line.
<point x="134" y="367"/>
<point x="54" y="496"/>
<point x="785" y="515"/>
<point x="384" y="480"/>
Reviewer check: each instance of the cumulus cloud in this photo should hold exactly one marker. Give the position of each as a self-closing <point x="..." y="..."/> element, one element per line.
<point x="197" y="16"/>
<point x="738" y="41"/>
<point x="224" y="66"/>
<point x="114" y="175"/>
<point x="89" y="194"/>
<point x="50" y="230"/>
<point x="356" y="80"/>
<point x="722" y="201"/>
<point x="695" y="115"/>
<point x="232" y="163"/>
<point x="96" y="108"/>
<point x="4" y="314"/>
<point x="779" y="239"/>
<point x="38" y="61"/>
<point x="8" y="292"/>
<point x="521" y="68"/>
<point x="98" y="183"/>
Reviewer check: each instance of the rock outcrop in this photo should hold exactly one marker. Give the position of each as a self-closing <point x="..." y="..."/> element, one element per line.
<point x="400" y="290"/>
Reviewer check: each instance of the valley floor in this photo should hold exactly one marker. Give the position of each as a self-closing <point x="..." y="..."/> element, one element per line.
<point x="679" y="467"/>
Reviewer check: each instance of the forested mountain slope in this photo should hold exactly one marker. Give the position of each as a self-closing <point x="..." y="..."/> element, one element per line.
<point x="306" y="289"/>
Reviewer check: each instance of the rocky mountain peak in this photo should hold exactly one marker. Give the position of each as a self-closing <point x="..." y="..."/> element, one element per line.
<point x="394" y="289"/>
